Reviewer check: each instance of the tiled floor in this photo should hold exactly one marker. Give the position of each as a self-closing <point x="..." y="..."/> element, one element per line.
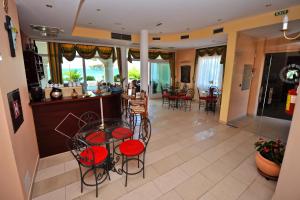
<point x="190" y="156"/>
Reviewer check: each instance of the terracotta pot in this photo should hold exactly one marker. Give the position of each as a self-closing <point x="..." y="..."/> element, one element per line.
<point x="266" y="166"/>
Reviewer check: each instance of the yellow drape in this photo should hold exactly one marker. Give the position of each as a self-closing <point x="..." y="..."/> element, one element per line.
<point x="54" y="56"/>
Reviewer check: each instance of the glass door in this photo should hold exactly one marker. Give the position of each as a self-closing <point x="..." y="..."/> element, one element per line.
<point x="281" y="74"/>
<point x="160" y="77"/>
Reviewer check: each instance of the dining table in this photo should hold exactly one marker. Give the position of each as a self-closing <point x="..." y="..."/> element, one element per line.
<point x="95" y="134"/>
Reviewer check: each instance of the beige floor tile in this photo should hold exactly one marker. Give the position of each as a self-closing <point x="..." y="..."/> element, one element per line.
<point x="170" y="180"/>
<point x="172" y="195"/>
<point x="216" y="171"/>
<point x="146" y="192"/>
<point x="55" y="160"/>
<point x="233" y="158"/>
<point x="245" y="173"/>
<point x="134" y="181"/>
<point x="110" y="191"/>
<point x="257" y="191"/>
<point x="194" y="165"/>
<point x="228" y="189"/>
<point x="208" y="196"/>
<point x="194" y="187"/>
<point x="167" y="164"/>
<point x="50" y="172"/>
<point x="58" y="194"/>
<point x="70" y="165"/>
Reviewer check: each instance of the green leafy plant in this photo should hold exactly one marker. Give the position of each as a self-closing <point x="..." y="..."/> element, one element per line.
<point x="90" y="78"/>
<point x="134" y="74"/>
<point x="271" y="150"/>
<point x="117" y="78"/>
<point x="72" y="75"/>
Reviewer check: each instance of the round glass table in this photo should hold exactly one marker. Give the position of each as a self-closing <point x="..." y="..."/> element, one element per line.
<point x="94" y="134"/>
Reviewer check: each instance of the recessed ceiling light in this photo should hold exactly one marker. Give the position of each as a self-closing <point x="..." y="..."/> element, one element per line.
<point x="219" y="20"/>
<point x="123" y="28"/>
<point x="268" y="5"/>
<point x="98" y="9"/>
<point x="49" y="6"/>
<point x="118" y="23"/>
<point x="158" y="24"/>
<point x="90" y="23"/>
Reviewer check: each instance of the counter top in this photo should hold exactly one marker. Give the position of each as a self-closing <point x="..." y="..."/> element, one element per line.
<point x="70" y="99"/>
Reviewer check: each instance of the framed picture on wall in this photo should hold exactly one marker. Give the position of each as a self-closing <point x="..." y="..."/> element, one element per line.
<point x="185" y="73"/>
<point x="15" y="107"/>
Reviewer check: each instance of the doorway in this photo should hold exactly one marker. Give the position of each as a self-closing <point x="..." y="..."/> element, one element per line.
<point x="160" y="77"/>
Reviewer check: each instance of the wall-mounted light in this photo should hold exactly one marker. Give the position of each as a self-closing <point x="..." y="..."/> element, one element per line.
<point x="1" y="57"/>
<point x="285" y="28"/>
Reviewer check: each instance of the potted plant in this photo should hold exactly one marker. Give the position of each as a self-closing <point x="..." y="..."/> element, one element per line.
<point x="269" y="157"/>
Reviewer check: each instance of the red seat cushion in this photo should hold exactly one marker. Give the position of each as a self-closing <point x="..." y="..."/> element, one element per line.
<point x="132" y="147"/>
<point x="93" y="155"/>
<point x="122" y="133"/>
<point x="97" y="137"/>
<point x="187" y="98"/>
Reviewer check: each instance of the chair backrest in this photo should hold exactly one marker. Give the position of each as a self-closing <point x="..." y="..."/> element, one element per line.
<point x="88" y="117"/>
<point x="145" y="131"/>
<point x="190" y="92"/>
<point x="76" y="146"/>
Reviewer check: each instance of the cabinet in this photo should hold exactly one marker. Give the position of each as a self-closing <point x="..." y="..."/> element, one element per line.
<point x="34" y="68"/>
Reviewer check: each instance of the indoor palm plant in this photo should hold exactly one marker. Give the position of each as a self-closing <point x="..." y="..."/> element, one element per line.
<point x="269" y="157"/>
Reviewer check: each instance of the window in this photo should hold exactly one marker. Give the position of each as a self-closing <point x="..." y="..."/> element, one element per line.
<point x="86" y="71"/>
<point x="209" y="72"/>
<point x="134" y="71"/>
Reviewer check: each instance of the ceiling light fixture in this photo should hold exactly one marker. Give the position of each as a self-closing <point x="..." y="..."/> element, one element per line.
<point x="219" y="20"/>
<point x="158" y="24"/>
<point x="267" y="5"/>
<point x="98" y="9"/>
<point x="285" y="29"/>
<point x="47" y="31"/>
<point x="49" y="6"/>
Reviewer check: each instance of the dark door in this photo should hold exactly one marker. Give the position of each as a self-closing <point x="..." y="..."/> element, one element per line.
<point x="281" y="73"/>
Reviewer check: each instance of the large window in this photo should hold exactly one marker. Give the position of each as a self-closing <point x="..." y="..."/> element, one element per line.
<point x="134" y="70"/>
<point x="86" y="71"/>
<point x="209" y="72"/>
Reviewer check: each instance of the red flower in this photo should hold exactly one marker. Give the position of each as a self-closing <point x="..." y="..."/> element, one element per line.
<point x="266" y="149"/>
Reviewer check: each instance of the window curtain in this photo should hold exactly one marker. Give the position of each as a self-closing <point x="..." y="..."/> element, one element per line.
<point x="54" y="56"/>
<point x="170" y="56"/>
<point x="119" y="59"/>
<point x="87" y="51"/>
<point x="209" y="72"/>
<point x="211" y="51"/>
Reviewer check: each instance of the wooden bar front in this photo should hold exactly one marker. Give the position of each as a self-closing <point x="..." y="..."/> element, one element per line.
<point x="48" y="114"/>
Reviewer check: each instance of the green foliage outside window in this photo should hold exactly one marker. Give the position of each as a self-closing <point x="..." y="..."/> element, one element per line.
<point x="90" y="78"/>
<point x="72" y="75"/>
<point x="134" y="74"/>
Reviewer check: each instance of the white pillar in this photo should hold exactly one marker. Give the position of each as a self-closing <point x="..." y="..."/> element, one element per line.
<point x="109" y="70"/>
<point x="144" y="60"/>
<point x="124" y="65"/>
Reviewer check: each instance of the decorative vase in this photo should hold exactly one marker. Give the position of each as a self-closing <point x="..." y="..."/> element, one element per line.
<point x="266" y="167"/>
<point x="74" y="94"/>
<point x="56" y="93"/>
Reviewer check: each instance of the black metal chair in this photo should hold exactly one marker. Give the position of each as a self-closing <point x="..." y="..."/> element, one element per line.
<point x="88" y="117"/>
<point x="90" y="159"/>
<point x="133" y="149"/>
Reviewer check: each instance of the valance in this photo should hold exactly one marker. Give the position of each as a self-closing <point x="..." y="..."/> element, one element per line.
<point x="153" y="54"/>
<point x="86" y="51"/>
<point x="54" y="56"/>
<point x="220" y="50"/>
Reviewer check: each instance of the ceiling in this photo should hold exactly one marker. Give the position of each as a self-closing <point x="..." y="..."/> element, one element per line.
<point x="274" y="31"/>
<point x="131" y="16"/>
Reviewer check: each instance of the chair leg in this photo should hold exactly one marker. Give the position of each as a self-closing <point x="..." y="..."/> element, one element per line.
<point x="126" y="173"/>
<point x="81" y="179"/>
<point x="95" y="174"/>
<point x="144" y="164"/>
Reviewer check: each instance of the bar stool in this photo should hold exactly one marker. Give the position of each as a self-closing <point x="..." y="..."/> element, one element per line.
<point x="89" y="159"/>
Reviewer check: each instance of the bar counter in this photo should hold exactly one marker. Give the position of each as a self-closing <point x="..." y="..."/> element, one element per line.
<point x="49" y="113"/>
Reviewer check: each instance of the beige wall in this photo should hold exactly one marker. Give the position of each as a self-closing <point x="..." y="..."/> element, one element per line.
<point x="185" y="57"/>
<point x="21" y="147"/>
<point x="244" y="54"/>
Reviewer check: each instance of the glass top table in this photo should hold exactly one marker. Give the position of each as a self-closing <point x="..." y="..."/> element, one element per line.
<point x="94" y="135"/>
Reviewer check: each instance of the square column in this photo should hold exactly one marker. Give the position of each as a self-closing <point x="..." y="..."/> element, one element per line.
<point x="144" y="60"/>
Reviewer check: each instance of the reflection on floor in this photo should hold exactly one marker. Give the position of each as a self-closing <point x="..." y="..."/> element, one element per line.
<point x="190" y="156"/>
<point x="265" y="126"/>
